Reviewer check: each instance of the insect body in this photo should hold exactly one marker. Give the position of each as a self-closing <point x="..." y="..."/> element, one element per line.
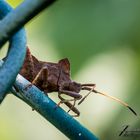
<point x="50" y="77"/>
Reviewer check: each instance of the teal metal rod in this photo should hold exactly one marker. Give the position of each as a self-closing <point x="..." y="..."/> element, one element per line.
<point x="15" y="55"/>
<point x="20" y="16"/>
<point x="46" y="107"/>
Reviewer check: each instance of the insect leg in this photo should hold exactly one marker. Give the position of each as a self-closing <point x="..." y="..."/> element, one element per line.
<point x="71" y="106"/>
<point x="71" y="93"/>
<point x="75" y="95"/>
<point x="44" y="70"/>
<point x="62" y="100"/>
<point x="85" y="86"/>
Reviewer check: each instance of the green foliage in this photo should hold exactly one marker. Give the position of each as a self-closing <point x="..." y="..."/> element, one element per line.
<point x="90" y="27"/>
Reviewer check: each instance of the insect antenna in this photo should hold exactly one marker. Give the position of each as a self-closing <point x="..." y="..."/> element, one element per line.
<point x="106" y="95"/>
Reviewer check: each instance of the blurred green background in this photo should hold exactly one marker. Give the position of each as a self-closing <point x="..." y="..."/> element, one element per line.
<point x="102" y="41"/>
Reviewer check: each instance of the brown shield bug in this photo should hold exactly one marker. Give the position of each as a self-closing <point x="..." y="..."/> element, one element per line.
<point x="50" y="77"/>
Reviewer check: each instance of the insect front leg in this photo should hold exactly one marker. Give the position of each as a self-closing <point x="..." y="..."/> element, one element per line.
<point x="62" y="100"/>
<point x="76" y="96"/>
<point x="85" y="87"/>
<point x="71" y="106"/>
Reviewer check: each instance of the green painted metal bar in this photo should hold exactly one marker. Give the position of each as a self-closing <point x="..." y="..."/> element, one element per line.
<point x="46" y="107"/>
<point x="20" y="16"/>
<point x="15" y="55"/>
